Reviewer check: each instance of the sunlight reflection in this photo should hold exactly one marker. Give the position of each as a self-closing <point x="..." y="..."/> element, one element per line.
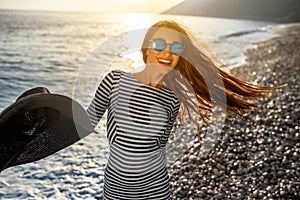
<point x="137" y="60"/>
<point x="137" y="24"/>
<point x="138" y="20"/>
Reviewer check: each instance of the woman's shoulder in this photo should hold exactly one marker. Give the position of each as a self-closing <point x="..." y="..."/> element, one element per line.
<point x="117" y="72"/>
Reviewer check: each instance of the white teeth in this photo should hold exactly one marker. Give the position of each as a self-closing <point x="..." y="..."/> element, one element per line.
<point x="164" y="61"/>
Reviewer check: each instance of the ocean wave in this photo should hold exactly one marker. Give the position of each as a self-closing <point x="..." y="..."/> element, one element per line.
<point x="241" y="33"/>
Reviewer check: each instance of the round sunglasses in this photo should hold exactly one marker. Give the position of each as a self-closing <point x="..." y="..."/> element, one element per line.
<point x="161" y="45"/>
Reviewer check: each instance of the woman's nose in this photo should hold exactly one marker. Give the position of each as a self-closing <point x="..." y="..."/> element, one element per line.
<point x="167" y="53"/>
<point x="168" y="49"/>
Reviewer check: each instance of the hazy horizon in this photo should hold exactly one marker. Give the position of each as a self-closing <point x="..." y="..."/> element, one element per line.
<point x="112" y="6"/>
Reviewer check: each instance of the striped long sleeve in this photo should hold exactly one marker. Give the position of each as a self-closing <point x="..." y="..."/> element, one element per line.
<point x="101" y="100"/>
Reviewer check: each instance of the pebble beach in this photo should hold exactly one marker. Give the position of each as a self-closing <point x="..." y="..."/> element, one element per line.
<point x="257" y="158"/>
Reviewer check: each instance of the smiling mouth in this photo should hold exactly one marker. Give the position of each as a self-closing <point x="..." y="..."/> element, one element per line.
<point x="164" y="62"/>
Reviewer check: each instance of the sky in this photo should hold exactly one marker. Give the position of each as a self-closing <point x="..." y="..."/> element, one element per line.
<point x="111" y="6"/>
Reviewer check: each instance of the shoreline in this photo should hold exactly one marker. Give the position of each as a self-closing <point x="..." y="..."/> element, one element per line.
<point x="260" y="157"/>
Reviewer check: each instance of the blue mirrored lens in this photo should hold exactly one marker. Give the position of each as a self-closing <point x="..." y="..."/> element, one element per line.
<point x="159" y="45"/>
<point x="177" y="48"/>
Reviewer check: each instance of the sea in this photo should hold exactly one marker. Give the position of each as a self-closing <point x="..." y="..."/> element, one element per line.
<point x="69" y="53"/>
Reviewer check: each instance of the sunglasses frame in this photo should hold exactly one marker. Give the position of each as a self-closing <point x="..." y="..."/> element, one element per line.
<point x="166" y="45"/>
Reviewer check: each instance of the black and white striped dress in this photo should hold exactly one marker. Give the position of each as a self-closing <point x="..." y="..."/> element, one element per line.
<point x="139" y="121"/>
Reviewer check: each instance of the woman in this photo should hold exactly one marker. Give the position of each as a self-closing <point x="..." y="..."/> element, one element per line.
<point x="142" y="108"/>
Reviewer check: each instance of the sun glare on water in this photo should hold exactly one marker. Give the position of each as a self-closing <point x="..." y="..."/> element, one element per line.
<point x="137" y="25"/>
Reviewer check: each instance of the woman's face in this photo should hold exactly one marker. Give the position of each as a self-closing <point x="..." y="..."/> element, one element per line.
<point x="163" y="60"/>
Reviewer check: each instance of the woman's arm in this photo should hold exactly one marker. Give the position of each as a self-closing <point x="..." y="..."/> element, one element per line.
<point x="101" y="100"/>
<point x="172" y="119"/>
<point x="173" y="115"/>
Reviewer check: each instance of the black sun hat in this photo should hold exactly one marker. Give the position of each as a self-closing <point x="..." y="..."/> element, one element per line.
<point x="39" y="124"/>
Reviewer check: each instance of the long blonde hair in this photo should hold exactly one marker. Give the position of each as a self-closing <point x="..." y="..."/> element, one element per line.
<point x="198" y="82"/>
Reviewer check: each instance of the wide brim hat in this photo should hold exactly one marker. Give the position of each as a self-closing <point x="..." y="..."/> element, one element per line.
<point x="38" y="125"/>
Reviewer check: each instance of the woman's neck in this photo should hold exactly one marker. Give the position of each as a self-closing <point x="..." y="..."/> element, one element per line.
<point x="149" y="77"/>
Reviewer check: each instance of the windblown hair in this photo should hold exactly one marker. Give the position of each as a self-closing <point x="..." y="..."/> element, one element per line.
<point x="199" y="83"/>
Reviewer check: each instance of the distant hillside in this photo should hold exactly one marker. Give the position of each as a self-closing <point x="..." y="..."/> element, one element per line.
<point x="265" y="10"/>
